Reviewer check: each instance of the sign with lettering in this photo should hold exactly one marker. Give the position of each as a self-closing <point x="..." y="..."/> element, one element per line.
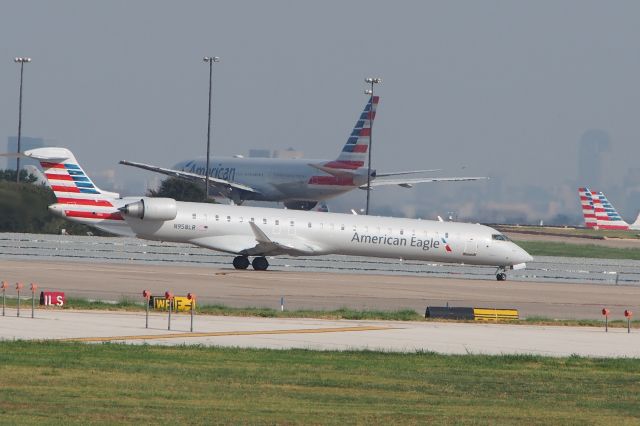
<point x="180" y="303"/>
<point x="52" y="298"/>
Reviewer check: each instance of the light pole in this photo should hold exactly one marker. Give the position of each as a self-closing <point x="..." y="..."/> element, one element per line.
<point x="372" y="81"/>
<point x="20" y="61"/>
<point x="210" y="60"/>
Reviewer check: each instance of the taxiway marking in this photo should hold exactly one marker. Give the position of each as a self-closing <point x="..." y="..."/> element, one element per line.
<point x="225" y="333"/>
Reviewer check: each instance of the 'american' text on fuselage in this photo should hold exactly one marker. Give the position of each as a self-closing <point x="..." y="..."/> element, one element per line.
<point x="414" y="241"/>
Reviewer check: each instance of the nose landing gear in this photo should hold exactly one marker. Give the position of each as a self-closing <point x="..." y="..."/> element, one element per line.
<point x="501" y="274"/>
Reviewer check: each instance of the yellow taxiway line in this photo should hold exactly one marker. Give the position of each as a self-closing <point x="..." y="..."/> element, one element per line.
<point x="223" y="333"/>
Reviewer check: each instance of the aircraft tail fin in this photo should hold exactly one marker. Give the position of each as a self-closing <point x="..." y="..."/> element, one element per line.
<point x="67" y="179"/>
<point x="636" y="225"/>
<point x="588" y="212"/>
<point x="355" y="152"/>
<point x="598" y="211"/>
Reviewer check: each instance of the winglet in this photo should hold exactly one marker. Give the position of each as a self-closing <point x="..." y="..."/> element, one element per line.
<point x="261" y="237"/>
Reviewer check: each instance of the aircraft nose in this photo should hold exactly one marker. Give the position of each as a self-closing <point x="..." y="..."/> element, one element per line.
<point x="520" y="255"/>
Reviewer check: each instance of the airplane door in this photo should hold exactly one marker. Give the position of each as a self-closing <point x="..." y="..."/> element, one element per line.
<point x="276" y="226"/>
<point x="199" y="220"/>
<point x="470" y="248"/>
<point x="202" y="222"/>
<point x="291" y="228"/>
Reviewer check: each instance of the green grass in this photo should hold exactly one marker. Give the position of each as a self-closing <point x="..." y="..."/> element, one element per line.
<point x="126" y="304"/>
<point x="544" y="248"/>
<point x="107" y="383"/>
<point x="571" y="232"/>
<point x="342" y="313"/>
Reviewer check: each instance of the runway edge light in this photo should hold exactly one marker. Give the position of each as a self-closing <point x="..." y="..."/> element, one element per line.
<point x="192" y="298"/>
<point x="3" y="286"/>
<point x="605" y="312"/>
<point x="18" y="288"/>
<point x="147" y="296"/>
<point x="169" y="298"/>
<point x="33" y="287"/>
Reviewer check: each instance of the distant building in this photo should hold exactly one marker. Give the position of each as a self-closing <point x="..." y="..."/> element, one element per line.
<point x="260" y="153"/>
<point x="288" y="153"/>
<point x="594" y="144"/>
<point x="26" y="143"/>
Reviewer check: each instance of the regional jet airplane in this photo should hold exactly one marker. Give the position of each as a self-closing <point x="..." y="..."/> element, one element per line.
<point x="255" y="232"/>
<point x="258" y="232"/>
<point x="298" y="183"/>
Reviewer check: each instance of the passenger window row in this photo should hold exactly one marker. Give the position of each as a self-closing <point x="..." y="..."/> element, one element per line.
<point x="354" y="228"/>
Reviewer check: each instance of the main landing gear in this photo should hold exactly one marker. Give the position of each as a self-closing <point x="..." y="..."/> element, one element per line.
<point x="259" y="263"/>
<point x="241" y="262"/>
<point x="501" y="274"/>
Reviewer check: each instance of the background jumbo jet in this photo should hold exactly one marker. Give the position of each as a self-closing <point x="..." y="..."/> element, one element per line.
<point x="259" y="232"/>
<point x="599" y="213"/>
<point x="298" y="183"/>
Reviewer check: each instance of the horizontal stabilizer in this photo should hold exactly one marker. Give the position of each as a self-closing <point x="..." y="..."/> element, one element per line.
<point x="45" y="154"/>
<point x="332" y="171"/>
<point x="407" y="183"/>
<point x="408" y="172"/>
<point x="12" y="154"/>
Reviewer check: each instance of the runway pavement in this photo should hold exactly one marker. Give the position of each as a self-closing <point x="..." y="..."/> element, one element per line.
<point x="447" y="338"/>
<point x="320" y="290"/>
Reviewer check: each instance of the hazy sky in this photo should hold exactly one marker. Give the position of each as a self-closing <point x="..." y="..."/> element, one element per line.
<point x="505" y="88"/>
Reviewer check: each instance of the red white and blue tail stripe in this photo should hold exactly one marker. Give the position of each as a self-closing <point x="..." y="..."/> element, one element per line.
<point x="598" y="212"/>
<point x="355" y="151"/>
<point x="78" y="197"/>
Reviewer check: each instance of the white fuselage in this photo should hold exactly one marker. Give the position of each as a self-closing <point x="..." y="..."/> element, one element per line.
<point x="277" y="179"/>
<point x="105" y="218"/>
<point x="227" y="228"/>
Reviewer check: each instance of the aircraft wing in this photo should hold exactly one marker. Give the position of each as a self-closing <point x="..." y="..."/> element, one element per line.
<point x="408" y="172"/>
<point x="259" y="245"/>
<point x="291" y="245"/>
<point x="408" y="183"/>
<point x="192" y="177"/>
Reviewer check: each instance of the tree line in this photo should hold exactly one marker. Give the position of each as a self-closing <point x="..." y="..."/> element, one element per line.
<point x="24" y="205"/>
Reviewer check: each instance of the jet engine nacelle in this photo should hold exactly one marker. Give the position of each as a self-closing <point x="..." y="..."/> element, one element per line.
<point x="300" y="204"/>
<point x="152" y="209"/>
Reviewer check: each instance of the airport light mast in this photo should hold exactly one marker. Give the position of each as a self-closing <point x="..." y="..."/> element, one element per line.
<point x="210" y="60"/>
<point x="20" y="61"/>
<point x="372" y="81"/>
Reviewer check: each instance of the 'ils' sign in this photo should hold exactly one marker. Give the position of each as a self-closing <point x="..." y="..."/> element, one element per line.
<point x="52" y="298"/>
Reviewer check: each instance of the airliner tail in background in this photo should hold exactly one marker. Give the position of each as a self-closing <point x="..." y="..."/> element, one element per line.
<point x="354" y="154"/>
<point x="599" y="213"/>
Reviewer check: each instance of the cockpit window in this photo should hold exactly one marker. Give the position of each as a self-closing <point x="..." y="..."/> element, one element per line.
<point x="499" y="237"/>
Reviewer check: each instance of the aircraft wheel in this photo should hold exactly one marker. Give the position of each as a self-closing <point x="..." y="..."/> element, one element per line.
<point x="260" y="263"/>
<point x="501" y="276"/>
<point x="240" y="262"/>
